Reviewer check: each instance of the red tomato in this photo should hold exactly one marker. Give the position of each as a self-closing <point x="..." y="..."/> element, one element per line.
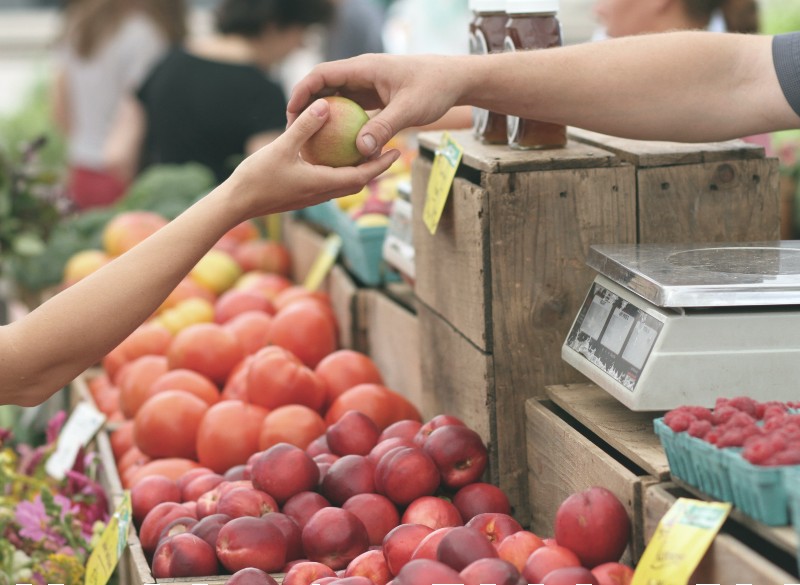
<point x="276" y="378"/>
<point x="166" y="425"/>
<point x="206" y="348"/>
<point x="136" y="381"/>
<point x="382" y="405"/>
<point x="344" y="369"/>
<point x="228" y="434"/>
<point x="192" y="382"/>
<point x="306" y="329"/>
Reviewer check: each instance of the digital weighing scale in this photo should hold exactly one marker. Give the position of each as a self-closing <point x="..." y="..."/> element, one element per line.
<point x="666" y="325"/>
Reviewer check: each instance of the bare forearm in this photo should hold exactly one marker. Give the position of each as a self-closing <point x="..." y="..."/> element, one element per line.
<point x="684" y="86"/>
<point x="101" y="310"/>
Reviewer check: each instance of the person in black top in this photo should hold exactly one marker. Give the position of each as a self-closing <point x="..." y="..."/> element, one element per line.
<point x="212" y="102"/>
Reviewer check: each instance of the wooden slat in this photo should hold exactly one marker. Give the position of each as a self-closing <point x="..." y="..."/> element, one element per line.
<point x="731" y="201"/>
<point x="502" y="159"/>
<point x="451" y="266"/>
<point x="344" y="295"/>
<point x="630" y="433"/>
<point x="561" y="462"/>
<point x="651" y="153"/>
<point x="542" y="227"/>
<point x="727" y="561"/>
<point x="393" y="344"/>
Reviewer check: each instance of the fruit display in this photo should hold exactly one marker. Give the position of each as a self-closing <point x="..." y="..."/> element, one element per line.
<point x="739" y="452"/>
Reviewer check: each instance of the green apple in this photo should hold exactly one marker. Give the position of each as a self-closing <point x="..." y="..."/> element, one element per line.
<point x="334" y="144"/>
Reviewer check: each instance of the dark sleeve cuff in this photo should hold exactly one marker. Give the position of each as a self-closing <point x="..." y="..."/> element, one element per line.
<point x="786" y="56"/>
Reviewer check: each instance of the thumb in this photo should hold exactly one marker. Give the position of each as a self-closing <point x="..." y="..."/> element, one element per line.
<point x="307" y="124"/>
<point x="380" y="128"/>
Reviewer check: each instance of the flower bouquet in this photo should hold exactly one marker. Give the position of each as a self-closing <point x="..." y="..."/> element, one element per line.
<point x="47" y="527"/>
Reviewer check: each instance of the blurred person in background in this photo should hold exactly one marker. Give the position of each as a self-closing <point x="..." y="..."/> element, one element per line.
<point x="212" y="101"/>
<point x="107" y="47"/>
<point x="356" y="28"/>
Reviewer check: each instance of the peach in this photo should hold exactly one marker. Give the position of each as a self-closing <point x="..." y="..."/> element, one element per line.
<point x="516" y="548"/>
<point x="200" y="485"/>
<point x="150" y="492"/>
<point x="402" y="429"/>
<point x="301" y="507"/>
<point x="251" y="576"/>
<point x="191" y="475"/>
<point x="405" y="474"/>
<point x="353" y="434"/>
<point x="251" y="542"/>
<point x="372" y="565"/>
<point x="400" y="543"/>
<point x="347" y="477"/>
<point x="490" y="570"/>
<point x="546" y="559"/>
<point x="377" y="512"/>
<point x="208" y="528"/>
<point x="433" y="512"/>
<point x="155" y="521"/>
<point x="430" y="544"/>
<point x="307" y="572"/>
<point x="462" y="546"/>
<point x="335" y="537"/>
<point x="478" y="498"/>
<point x="244" y="501"/>
<point x="284" y="470"/>
<point x="177" y="526"/>
<point x="383" y="447"/>
<point x="459" y="454"/>
<point x="334" y="145"/>
<point x="569" y="576"/>
<point x="184" y="555"/>
<point x="318" y="446"/>
<point x="494" y="526"/>
<point x="237" y="472"/>
<point x="291" y="533"/>
<point x="426" y="572"/>
<point x="235" y="302"/>
<point x="440" y="420"/>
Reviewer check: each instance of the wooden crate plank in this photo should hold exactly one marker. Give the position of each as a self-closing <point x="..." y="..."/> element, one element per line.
<point x="728" y="560"/>
<point x="732" y="201"/>
<point x="630" y="433"/>
<point x="456" y="376"/>
<point x="344" y="295"/>
<point x="493" y="158"/>
<point x="561" y="462"/>
<point x="542" y="230"/>
<point x="393" y="344"/>
<point x="304" y="243"/>
<point x="451" y="266"/>
<point x="653" y="153"/>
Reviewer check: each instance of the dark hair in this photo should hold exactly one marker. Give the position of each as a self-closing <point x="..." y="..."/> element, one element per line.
<point x="250" y="17"/>
<point x="741" y="16"/>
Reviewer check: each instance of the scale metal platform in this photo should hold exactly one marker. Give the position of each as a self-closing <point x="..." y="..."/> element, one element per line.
<point x="666" y="325"/>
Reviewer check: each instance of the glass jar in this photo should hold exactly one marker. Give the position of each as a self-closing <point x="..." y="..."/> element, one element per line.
<point x="487" y="33"/>
<point x="532" y="24"/>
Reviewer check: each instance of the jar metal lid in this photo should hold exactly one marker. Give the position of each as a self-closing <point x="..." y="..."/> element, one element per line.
<point x="487" y="5"/>
<point x="531" y="6"/>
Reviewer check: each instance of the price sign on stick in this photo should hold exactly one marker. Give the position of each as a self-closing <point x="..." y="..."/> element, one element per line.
<point x="448" y="157"/>
<point x="79" y="429"/>
<point x="680" y="542"/>
<point x="110" y="546"/>
<point x="323" y="262"/>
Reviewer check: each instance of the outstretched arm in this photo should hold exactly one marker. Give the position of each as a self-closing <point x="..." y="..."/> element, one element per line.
<point x="682" y="86"/>
<point x="47" y="348"/>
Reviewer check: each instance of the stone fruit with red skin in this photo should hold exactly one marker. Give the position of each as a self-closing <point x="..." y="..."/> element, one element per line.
<point x="433" y="512"/>
<point x="177" y="526"/>
<point x="459" y="454"/>
<point x="405" y="474"/>
<point x="208" y="528"/>
<point x="378" y="514"/>
<point x="400" y="543"/>
<point x="496" y="527"/>
<point x="490" y="570"/>
<point x="403" y="429"/>
<point x="334" y="145"/>
<point x="200" y="485"/>
<point x="353" y="434"/>
<point x="355" y="580"/>
<point x="613" y="574"/>
<point x="244" y="501"/>
<point x="570" y="576"/>
<point x="251" y="542"/>
<point x="516" y="548"/>
<point x="594" y="525"/>
<point x="348" y="476"/>
<point x="430" y="544"/>
<point x="426" y="572"/>
<point x="478" y="498"/>
<point x="307" y="572"/>
<point x="284" y="470"/>
<point x="372" y="565"/>
<point x="291" y="533"/>
<point x="191" y="475"/>
<point x="440" y="420"/>
<point x="156" y="520"/>
<point x="546" y="559"/>
<point x="150" y="492"/>
<point x="335" y="537"/>
<point x="301" y="507"/>
<point x="383" y="447"/>
<point x="462" y="546"/>
<point x="184" y="555"/>
<point x="251" y="576"/>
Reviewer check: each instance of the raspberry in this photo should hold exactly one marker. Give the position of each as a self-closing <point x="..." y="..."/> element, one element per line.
<point x="790" y="433"/>
<point x="775" y="422"/>
<point x="679" y="422"/>
<point x="787" y="457"/>
<point x="721" y="415"/>
<point x="771" y="408"/>
<point x="699" y="428"/>
<point x="745" y="404"/>
<point x="699" y="412"/>
<point x="740" y="419"/>
<point x="758" y="451"/>
<point x="733" y="437"/>
<point x="713" y="436"/>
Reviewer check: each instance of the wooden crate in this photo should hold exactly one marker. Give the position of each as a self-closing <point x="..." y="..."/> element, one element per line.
<point x="505" y="274"/>
<point x="737" y="555"/>
<point x="390" y="335"/>
<point x="581" y="437"/>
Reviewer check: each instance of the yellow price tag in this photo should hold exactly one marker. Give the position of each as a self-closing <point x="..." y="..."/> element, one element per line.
<point x="110" y="546"/>
<point x="680" y="542"/>
<point x="274" y="227"/>
<point x="323" y="262"/>
<point x="445" y="163"/>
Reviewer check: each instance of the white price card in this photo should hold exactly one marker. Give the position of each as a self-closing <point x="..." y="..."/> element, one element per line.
<point x="81" y="426"/>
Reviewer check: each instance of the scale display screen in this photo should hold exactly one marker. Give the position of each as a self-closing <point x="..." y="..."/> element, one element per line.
<point x="614" y="335"/>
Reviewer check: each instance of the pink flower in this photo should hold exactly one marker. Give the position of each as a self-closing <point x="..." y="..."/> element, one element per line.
<point x="34" y="525"/>
<point x="54" y="426"/>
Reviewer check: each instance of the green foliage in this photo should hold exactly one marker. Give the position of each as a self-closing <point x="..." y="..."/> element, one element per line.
<point x="168" y="189"/>
<point x="779" y="16"/>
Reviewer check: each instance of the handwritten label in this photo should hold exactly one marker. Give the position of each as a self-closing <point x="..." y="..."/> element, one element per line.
<point x="79" y="429"/>
<point x="323" y="262"/>
<point x="110" y="546"/>
<point x="681" y="540"/>
<point x="445" y="163"/>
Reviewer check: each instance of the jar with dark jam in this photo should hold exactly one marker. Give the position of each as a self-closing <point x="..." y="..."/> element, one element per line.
<point x="532" y="24"/>
<point x="487" y="33"/>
